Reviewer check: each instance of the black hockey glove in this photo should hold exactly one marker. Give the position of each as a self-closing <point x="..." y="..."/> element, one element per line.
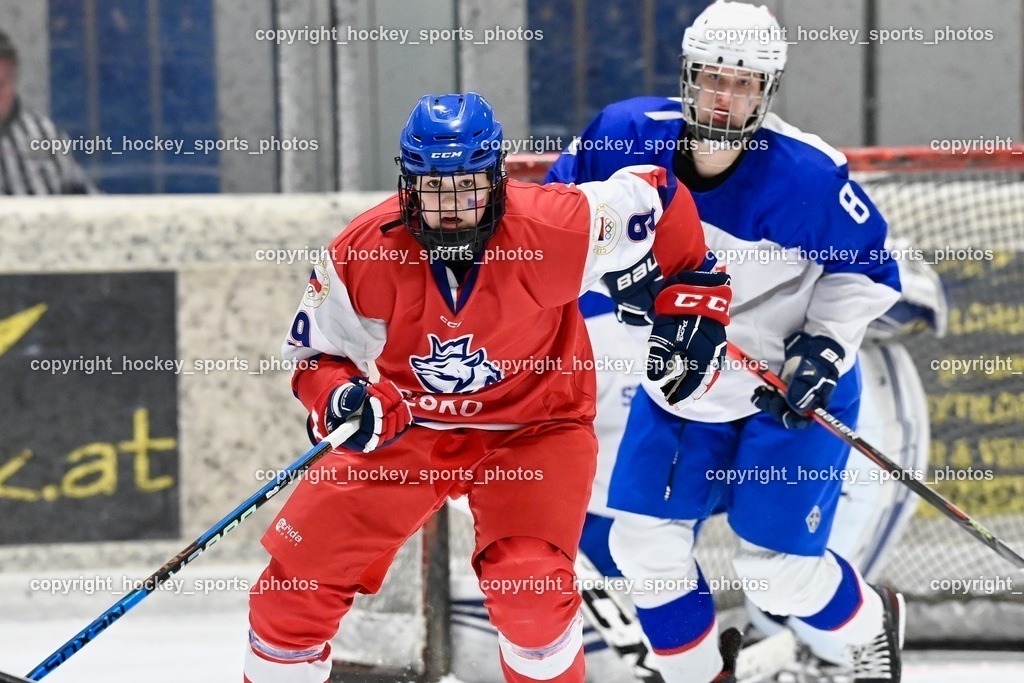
<point x="687" y="344"/>
<point x="769" y="400"/>
<point x="633" y="291"/>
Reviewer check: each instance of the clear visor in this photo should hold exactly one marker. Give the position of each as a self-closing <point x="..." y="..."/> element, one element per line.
<point x="724" y="103"/>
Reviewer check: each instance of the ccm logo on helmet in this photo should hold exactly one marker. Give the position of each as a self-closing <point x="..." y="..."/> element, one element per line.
<point x="446" y="155"/>
<point x="691" y="300"/>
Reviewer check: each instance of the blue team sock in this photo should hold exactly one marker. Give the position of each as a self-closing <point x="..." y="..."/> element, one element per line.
<point x="843" y="605"/>
<point x="679" y="625"/>
<point x="594" y="544"/>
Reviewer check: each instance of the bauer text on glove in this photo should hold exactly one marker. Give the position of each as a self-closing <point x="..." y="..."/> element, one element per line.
<point x="633" y="290"/>
<point x="811" y="370"/>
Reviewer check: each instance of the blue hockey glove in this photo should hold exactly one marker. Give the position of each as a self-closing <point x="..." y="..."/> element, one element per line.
<point x="383" y="415"/>
<point x="769" y="400"/>
<point x="811" y="370"/>
<point x="687" y="345"/>
<point x="633" y="291"/>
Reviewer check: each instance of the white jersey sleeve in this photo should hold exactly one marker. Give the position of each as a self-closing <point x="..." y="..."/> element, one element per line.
<point x="327" y="323"/>
<point x="632" y="214"/>
<point x="842" y="306"/>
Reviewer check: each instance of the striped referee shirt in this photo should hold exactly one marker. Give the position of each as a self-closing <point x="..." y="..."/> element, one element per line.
<point x="27" y="171"/>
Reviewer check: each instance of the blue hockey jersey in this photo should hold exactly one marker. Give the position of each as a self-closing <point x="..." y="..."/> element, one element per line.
<point x="803" y="243"/>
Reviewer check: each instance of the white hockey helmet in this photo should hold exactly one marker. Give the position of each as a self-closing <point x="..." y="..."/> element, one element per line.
<point x="738" y="37"/>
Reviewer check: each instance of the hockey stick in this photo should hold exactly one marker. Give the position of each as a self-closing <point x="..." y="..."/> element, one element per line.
<point x="905" y="477"/>
<point x="11" y="678"/>
<point x="192" y="551"/>
<point x="616" y="623"/>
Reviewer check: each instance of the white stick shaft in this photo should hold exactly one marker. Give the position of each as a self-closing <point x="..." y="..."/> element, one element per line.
<point x="342" y="433"/>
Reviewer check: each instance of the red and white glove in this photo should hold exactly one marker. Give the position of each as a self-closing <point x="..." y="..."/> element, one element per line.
<point x="383" y="414"/>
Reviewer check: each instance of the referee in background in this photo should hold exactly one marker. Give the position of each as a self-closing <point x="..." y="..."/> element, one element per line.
<point x="24" y="171"/>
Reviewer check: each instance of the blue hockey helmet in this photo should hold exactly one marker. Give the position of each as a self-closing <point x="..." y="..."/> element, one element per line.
<point x="449" y="135"/>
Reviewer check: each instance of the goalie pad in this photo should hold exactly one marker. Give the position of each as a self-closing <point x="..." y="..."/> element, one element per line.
<point x="873" y="514"/>
<point x="922" y="304"/>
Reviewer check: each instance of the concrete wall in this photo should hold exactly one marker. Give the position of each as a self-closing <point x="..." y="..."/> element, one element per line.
<point x="823" y="87"/>
<point x="353" y="96"/>
<point x="246" y="81"/>
<point x="925" y="91"/>
<point x="305" y="100"/>
<point x="388" y="78"/>
<point x="229" y="304"/>
<point x="499" y="70"/>
<point x="953" y="89"/>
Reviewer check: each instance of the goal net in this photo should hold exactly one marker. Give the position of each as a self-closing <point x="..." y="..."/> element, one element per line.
<point x="965" y="214"/>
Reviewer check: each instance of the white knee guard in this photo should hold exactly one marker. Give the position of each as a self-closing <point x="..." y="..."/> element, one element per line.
<point x="786" y="584"/>
<point x="655" y="553"/>
<point x="802" y="586"/>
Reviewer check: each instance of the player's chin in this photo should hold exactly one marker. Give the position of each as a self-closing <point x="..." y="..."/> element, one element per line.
<point x="721" y="119"/>
<point x="456" y="224"/>
<point x="722" y="122"/>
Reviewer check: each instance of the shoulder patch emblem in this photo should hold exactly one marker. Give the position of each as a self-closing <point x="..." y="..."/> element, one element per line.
<point x="319" y="285"/>
<point x="606" y="231"/>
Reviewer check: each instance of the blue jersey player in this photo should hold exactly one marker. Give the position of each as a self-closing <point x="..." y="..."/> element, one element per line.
<point x="805" y="250"/>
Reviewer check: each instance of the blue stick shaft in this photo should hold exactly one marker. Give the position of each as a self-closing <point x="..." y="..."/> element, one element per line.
<point x="194" y="550"/>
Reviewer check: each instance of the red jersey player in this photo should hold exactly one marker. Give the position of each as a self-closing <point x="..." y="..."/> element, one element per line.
<point x="462" y="290"/>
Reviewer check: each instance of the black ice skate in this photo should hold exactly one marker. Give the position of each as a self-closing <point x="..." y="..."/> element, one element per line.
<point x="729" y="645"/>
<point x="879" y="661"/>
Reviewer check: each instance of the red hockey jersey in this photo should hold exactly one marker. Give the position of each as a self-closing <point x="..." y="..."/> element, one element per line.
<point x="508" y="346"/>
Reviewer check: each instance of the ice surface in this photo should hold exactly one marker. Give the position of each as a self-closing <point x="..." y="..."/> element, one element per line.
<point x="210" y="647"/>
<point x="146" y="649"/>
<point x="172" y="640"/>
